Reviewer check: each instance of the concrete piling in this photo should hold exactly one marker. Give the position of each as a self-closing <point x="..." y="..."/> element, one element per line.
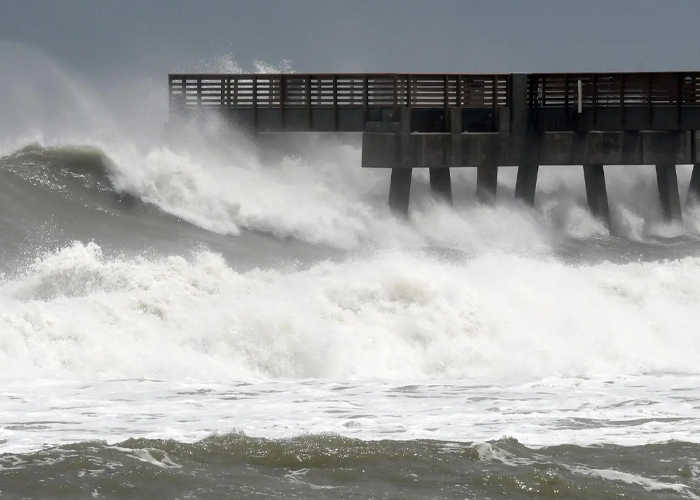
<point x="526" y="183"/>
<point x="400" y="190"/>
<point x="440" y="178"/>
<point x="693" y="197"/>
<point x="441" y="184"/>
<point x="668" y="192"/>
<point x="486" y="184"/>
<point x="596" y="192"/>
<point x="400" y="187"/>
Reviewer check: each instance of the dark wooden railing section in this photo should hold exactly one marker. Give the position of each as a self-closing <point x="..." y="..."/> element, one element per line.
<point x="339" y="90"/>
<point x="349" y="101"/>
<point x="431" y="91"/>
<point x="614" y="89"/>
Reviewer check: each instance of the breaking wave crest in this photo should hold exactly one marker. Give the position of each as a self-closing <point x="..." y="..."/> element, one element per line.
<point x="397" y="314"/>
<point x="324" y="198"/>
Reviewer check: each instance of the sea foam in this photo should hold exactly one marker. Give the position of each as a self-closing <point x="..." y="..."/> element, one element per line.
<point x="394" y="314"/>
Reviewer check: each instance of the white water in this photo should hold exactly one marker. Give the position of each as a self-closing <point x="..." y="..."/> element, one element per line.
<point x="394" y="315"/>
<point x="338" y="204"/>
<point x="627" y="411"/>
<point x="80" y="331"/>
<point x="504" y="341"/>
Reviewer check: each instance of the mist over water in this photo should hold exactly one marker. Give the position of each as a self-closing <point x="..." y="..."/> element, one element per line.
<point x="172" y="286"/>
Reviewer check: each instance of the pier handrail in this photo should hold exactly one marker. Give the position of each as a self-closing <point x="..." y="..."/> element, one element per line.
<point x="627" y="90"/>
<point x="346" y="90"/>
<point x="377" y="90"/>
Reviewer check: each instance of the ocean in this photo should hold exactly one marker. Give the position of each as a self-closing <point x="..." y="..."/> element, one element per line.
<point x="211" y="318"/>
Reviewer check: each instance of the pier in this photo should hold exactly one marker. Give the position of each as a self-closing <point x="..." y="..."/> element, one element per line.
<point x="449" y="121"/>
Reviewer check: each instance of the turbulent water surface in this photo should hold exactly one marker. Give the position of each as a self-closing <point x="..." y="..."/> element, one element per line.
<point x="216" y="320"/>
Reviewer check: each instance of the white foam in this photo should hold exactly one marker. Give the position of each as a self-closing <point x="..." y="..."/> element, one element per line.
<point x="507" y="313"/>
<point x="391" y="315"/>
<point x="626" y="477"/>
<point x="489" y="452"/>
<point x="323" y="196"/>
<point x="628" y="411"/>
<point x="159" y="458"/>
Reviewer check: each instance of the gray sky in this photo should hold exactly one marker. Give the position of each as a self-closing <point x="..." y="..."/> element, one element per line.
<point x="150" y="38"/>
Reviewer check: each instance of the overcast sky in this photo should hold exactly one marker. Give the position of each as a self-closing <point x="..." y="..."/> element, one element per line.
<point x="153" y="37"/>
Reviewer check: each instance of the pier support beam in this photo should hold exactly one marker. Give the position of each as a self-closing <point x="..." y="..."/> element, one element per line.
<point x="440" y="179"/>
<point x="400" y="190"/>
<point x="693" y="197"/>
<point x="668" y="192"/>
<point x="441" y="184"/>
<point x="597" y="193"/>
<point x="400" y="187"/>
<point x="526" y="183"/>
<point x="486" y="184"/>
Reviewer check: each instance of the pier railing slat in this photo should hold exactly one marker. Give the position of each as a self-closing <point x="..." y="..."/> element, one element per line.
<point x="338" y="91"/>
<point x="324" y="101"/>
<point x="616" y="89"/>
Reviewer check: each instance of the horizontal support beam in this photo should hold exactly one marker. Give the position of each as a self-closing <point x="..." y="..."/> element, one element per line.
<point x="345" y="117"/>
<point x="379" y="150"/>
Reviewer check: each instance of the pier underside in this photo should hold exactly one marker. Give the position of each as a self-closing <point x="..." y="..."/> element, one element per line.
<point x="437" y="150"/>
<point x="388" y="147"/>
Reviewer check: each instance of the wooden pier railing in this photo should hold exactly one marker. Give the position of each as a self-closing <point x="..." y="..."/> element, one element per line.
<point x="338" y="90"/>
<point x="349" y="101"/>
<point x="614" y="89"/>
<point x="431" y="91"/>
